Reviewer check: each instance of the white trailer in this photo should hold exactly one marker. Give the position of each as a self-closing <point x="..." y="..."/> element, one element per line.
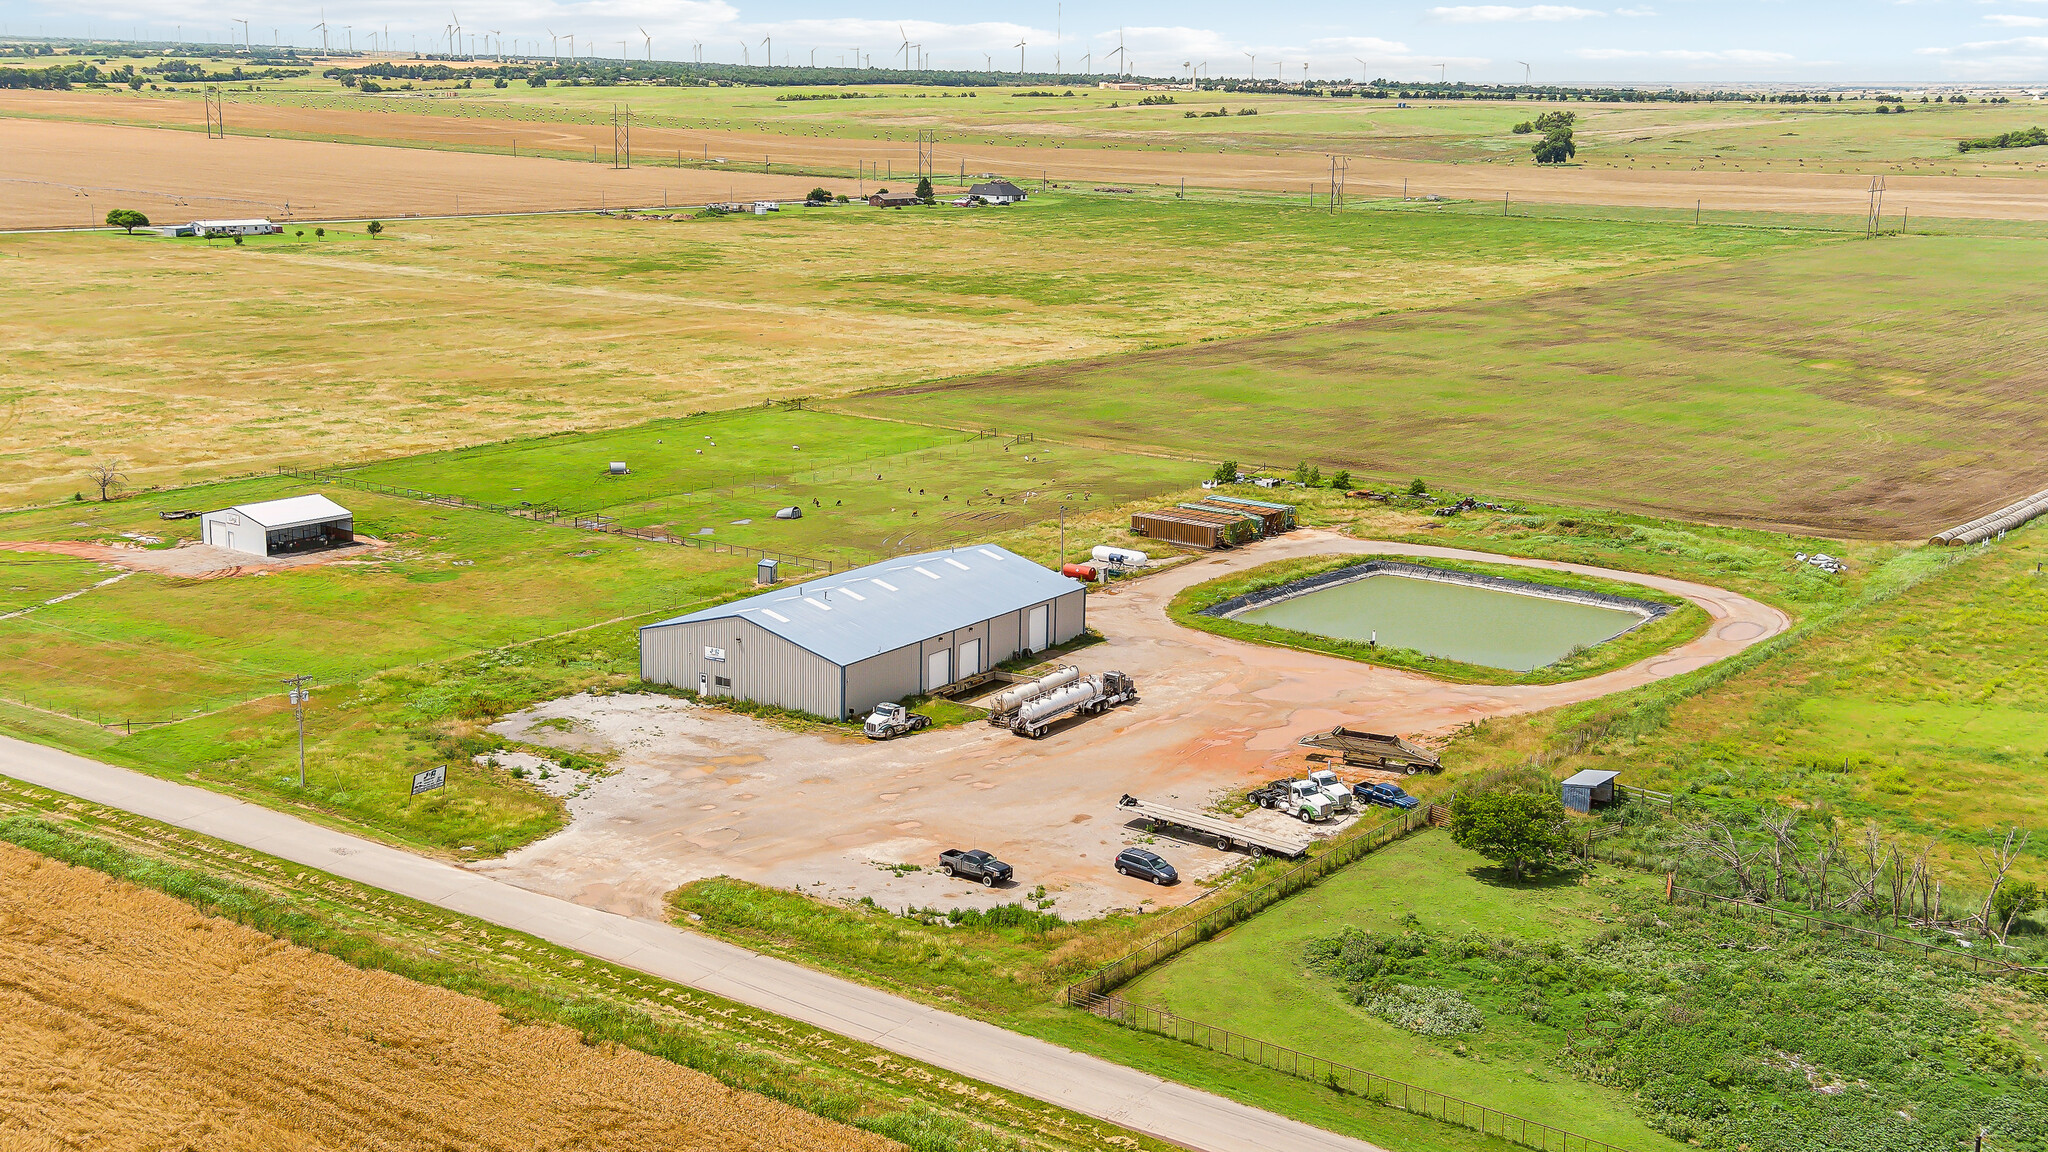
<point x="1230" y="833"/>
<point x="1090" y="694"/>
<point x="1003" y="705"/>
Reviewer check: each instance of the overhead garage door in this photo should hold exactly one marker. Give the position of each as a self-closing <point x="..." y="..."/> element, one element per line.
<point x="938" y="669"/>
<point x="970" y="658"/>
<point x="1037" y="631"/>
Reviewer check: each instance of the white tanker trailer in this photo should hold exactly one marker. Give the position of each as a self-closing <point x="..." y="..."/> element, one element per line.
<point x="1005" y="703"/>
<point x="1091" y="694"/>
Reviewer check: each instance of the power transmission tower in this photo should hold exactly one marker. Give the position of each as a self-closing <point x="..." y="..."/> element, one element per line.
<point x="927" y="149"/>
<point x="300" y="694"/>
<point x="622" y="136"/>
<point x="1339" y="165"/>
<point x="216" y="115"/>
<point x="1875" y="220"/>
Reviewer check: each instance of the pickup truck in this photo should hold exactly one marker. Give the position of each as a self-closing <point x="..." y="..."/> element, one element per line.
<point x="974" y="865"/>
<point x="1390" y="795"/>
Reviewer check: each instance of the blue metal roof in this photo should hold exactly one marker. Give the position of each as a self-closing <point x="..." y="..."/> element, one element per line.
<point x="850" y="616"/>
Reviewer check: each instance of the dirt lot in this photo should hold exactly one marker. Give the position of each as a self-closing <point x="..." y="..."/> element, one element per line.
<point x="700" y="793"/>
<point x="195" y="561"/>
<point x="64" y="173"/>
<point x="132" y="1022"/>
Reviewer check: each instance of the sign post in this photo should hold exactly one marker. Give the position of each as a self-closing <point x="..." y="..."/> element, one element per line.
<point x="429" y="780"/>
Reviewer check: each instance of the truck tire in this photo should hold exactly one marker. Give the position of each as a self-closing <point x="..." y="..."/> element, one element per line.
<point x="1301" y="814"/>
<point x="946" y="868"/>
<point x="988" y="880"/>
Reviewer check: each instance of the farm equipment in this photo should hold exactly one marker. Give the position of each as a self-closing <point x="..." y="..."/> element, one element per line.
<point x="889" y="721"/>
<point x="1229" y="833"/>
<point x="1302" y="799"/>
<point x="1098" y="692"/>
<point x="1361" y="749"/>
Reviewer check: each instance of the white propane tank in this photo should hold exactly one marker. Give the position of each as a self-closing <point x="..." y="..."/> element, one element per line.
<point x="1009" y="699"/>
<point x="1124" y="557"/>
<point x="1052" y="702"/>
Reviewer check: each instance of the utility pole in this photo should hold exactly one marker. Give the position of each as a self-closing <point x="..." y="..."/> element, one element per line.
<point x="1063" y="537"/>
<point x="299" y="695"/>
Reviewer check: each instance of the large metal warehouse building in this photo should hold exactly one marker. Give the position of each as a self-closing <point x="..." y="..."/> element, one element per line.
<point x="839" y="645"/>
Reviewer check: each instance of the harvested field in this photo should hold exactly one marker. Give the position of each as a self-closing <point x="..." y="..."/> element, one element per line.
<point x="1885" y="389"/>
<point x="133" y="1022"/>
<point x="1731" y="157"/>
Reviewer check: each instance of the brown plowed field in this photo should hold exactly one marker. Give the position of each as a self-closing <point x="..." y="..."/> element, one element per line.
<point x="130" y="1021"/>
<point x="56" y="168"/>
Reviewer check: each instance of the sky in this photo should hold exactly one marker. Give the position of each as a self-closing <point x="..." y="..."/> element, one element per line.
<point x="1690" y="41"/>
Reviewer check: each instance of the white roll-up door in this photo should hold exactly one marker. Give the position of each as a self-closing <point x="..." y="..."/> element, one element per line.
<point x="1037" y="631"/>
<point x="970" y="658"/>
<point x="938" y="670"/>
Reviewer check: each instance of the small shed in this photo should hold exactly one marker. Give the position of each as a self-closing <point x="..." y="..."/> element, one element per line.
<point x="894" y="200"/>
<point x="1278" y="517"/>
<point x="1588" y="788"/>
<point x="272" y="527"/>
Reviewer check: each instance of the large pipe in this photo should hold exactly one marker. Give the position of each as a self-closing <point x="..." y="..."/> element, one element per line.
<point x="1992" y="523"/>
<point x="1009" y="699"/>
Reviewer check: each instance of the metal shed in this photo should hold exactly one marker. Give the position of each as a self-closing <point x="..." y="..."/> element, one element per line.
<point x="839" y="645"/>
<point x="1278" y="517"/>
<point x="272" y="527"/>
<point x="1588" y="788"/>
<point x="1182" y="528"/>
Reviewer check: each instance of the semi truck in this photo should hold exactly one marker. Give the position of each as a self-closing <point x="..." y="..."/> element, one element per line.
<point x="889" y="721"/>
<point x="1096" y="692"/>
<point x="1361" y="749"/>
<point x="1302" y="799"/>
<point x="1340" y="794"/>
<point x="1228" y="833"/>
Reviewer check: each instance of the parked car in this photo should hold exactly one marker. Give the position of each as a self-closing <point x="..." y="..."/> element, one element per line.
<point x="974" y="865"/>
<point x="1145" y="866"/>
<point x="1389" y="795"/>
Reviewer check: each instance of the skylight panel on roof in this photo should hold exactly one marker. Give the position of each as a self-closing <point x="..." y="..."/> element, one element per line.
<point x="883" y="583"/>
<point x="820" y="605"/>
<point x="922" y="571"/>
<point x="957" y="564"/>
<point x="772" y="614"/>
<point x="989" y="554"/>
<point x="848" y="592"/>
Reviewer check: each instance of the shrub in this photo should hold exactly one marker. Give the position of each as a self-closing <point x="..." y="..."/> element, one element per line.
<point x="1424" y="1011"/>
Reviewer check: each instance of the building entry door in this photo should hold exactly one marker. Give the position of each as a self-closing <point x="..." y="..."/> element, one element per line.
<point x="938" y="670"/>
<point x="970" y="658"/>
<point x="1036" y="633"/>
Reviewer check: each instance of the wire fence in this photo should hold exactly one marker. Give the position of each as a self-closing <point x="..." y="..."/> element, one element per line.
<point x="1749" y="909"/>
<point x="1343" y="1077"/>
<point x="550" y="514"/>
<point x="1342" y="851"/>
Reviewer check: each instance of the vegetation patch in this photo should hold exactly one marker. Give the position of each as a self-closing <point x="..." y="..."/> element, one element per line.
<point x="1684" y="622"/>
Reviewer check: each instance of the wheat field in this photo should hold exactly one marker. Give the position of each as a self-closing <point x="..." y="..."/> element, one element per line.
<point x="131" y="1021"/>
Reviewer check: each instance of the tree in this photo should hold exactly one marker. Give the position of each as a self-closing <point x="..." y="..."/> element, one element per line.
<point x="318" y="232"/>
<point x="2014" y="900"/>
<point x="1518" y="830"/>
<point x="819" y="196"/>
<point x="375" y="227"/>
<point x="127" y="219"/>
<point x="1417" y="488"/>
<point x="1342" y="480"/>
<point x="1555" y="148"/>
<point x="1226" y="472"/>
<point x="107" y="476"/>
<point x="1524" y="128"/>
<point x="1301" y="473"/>
<point x="536" y="82"/>
<point x="924" y="189"/>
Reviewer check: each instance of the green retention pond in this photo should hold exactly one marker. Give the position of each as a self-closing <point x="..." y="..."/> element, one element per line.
<point x="1516" y="630"/>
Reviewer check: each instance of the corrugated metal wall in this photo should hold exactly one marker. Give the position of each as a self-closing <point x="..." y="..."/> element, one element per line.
<point x="760" y="665"/>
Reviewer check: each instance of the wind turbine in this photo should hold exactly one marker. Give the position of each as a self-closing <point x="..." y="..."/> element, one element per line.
<point x="746" y="57"/>
<point x="905" y="49"/>
<point x="1087" y="62"/>
<point x="349" y="32"/>
<point x="245" y="30"/>
<point x="501" y="43"/>
<point x="1253" y="68"/>
<point x="814" y="57"/>
<point x="454" y="34"/>
<point x="1020" y="57"/>
<point x="1525" y="72"/>
<point x="1443" y="72"/>
<point x="571" y="38"/>
<point x="1362" y="70"/>
<point x="622" y="51"/>
<point x="768" y="42"/>
<point x="554" y="46"/>
<point x="322" y="26"/>
<point x="988" y="61"/>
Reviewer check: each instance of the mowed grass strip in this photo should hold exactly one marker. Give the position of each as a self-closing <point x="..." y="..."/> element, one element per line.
<point x="191" y="360"/>
<point x="1882" y="389"/>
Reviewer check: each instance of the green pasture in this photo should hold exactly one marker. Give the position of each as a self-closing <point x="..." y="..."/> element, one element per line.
<point x="1863" y="388"/>
<point x="1251" y="980"/>
<point x="867" y="488"/>
<point x="28" y="579"/>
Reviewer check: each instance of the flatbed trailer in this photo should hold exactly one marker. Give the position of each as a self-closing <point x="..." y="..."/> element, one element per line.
<point x="1231" y="833"/>
<point x="1362" y="749"/>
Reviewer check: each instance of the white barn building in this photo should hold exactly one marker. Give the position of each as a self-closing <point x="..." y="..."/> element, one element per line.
<point x="275" y="527"/>
<point x="838" y="645"/>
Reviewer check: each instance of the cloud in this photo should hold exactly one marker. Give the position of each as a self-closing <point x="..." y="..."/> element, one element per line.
<point x="1635" y="12"/>
<point x="1724" y="56"/>
<point x="2018" y="45"/>
<point x="2006" y="20"/>
<point x="1504" y="14"/>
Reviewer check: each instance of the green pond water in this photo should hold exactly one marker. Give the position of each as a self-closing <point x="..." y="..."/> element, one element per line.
<point x="1457" y="621"/>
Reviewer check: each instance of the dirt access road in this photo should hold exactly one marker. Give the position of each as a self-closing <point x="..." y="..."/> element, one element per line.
<point x="701" y="793"/>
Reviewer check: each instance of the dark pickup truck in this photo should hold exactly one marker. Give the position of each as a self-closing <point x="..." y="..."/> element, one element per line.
<point x="974" y="865"/>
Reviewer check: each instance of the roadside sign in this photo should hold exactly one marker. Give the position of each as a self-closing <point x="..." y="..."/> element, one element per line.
<point x="429" y="780"/>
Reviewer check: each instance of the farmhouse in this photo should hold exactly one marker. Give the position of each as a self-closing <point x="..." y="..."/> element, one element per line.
<point x="893" y="200"/>
<point x="839" y="645"/>
<point x="234" y="228"/>
<point x="295" y="524"/>
<point x="998" y="192"/>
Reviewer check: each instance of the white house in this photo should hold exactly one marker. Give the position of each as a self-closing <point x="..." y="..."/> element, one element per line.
<point x="998" y="192"/>
<point x="234" y="228"/>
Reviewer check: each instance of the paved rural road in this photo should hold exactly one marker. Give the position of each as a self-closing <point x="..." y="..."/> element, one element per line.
<point x="1035" y="1068"/>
